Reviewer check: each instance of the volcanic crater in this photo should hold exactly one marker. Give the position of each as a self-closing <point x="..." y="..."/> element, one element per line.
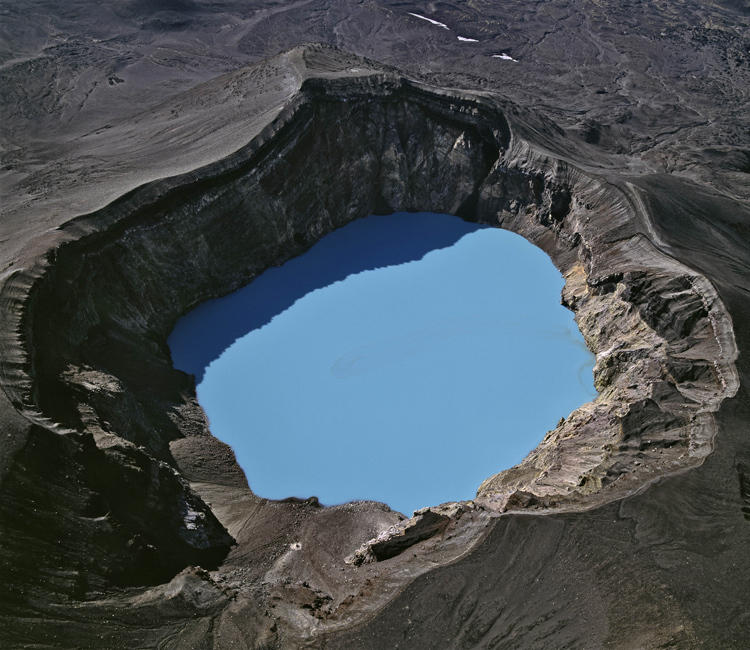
<point x="153" y="494"/>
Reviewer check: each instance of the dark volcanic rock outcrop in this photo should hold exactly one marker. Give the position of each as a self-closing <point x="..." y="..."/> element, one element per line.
<point x="114" y="490"/>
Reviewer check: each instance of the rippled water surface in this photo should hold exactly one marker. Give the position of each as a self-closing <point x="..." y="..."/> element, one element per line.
<point x="404" y="358"/>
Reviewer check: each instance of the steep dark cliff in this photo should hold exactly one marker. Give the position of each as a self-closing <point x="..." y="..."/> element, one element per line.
<point x="125" y="523"/>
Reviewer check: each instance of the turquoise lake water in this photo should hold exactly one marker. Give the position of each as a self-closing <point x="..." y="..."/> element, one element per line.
<point x="404" y="358"/>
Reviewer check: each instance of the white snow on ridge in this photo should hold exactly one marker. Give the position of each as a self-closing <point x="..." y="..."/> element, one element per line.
<point x="504" y="57"/>
<point x="429" y="20"/>
<point x="463" y="39"/>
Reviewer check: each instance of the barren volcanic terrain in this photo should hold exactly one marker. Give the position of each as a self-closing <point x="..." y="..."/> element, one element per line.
<point x="157" y="154"/>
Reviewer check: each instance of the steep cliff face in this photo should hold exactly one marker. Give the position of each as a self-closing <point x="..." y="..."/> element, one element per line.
<point x="117" y="483"/>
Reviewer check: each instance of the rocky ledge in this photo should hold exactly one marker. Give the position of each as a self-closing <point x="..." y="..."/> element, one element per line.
<point x="115" y="475"/>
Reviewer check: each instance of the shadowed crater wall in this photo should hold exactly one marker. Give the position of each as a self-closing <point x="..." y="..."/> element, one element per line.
<point x="335" y="259"/>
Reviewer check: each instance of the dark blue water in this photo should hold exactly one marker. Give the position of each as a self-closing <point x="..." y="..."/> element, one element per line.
<point x="404" y="358"/>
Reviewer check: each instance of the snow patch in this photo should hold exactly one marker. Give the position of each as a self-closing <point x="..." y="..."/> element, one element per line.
<point x="608" y="351"/>
<point x="504" y="57"/>
<point x="467" y="40"/>
<point x="429" y="20"/>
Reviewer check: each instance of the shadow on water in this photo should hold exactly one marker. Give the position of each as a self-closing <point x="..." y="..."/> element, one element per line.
<point x="203" y="334"/>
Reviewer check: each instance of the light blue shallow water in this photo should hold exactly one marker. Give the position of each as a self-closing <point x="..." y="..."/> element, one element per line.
<point x="404" y="358"/>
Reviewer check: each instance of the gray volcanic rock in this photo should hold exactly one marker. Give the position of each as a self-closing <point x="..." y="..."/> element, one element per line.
<point x="147" y="168"/>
